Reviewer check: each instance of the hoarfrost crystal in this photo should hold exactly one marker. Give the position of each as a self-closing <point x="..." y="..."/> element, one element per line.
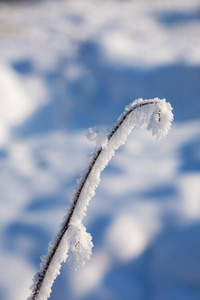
<point x="80" y="245"/>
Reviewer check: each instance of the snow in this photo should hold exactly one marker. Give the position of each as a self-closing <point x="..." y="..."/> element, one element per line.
<point x="135" y="240"/>
<point x="67" y="66"/>
<point x="19" y="105"/>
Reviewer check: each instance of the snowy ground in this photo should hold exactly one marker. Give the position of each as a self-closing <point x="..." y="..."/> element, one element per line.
<point x="69" y="65"/>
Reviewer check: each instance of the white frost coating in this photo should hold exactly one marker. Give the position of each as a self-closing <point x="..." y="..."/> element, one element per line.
<point x="54" y="269"/>
<point x="80" y="245"/>
<point x="156" y="118"/>
<point x="98" y="136"/>
<point x="154" y="115"/>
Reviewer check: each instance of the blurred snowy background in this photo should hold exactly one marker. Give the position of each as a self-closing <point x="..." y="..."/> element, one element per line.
<point x="68" y="65"/>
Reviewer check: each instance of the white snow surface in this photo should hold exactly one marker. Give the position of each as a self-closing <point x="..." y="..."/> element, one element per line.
<point x="123" y="29"/>
<point x="145" y="216"/>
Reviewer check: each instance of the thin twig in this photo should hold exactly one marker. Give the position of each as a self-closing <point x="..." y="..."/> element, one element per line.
<point x="43" y="272"/>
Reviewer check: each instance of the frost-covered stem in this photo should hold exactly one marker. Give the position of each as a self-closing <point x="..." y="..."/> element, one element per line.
<point x="63" y="230"/>
<point x="75" y="214"/>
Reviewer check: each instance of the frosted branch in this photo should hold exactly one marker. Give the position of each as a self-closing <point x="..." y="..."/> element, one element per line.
<point x="73" y="240"/>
